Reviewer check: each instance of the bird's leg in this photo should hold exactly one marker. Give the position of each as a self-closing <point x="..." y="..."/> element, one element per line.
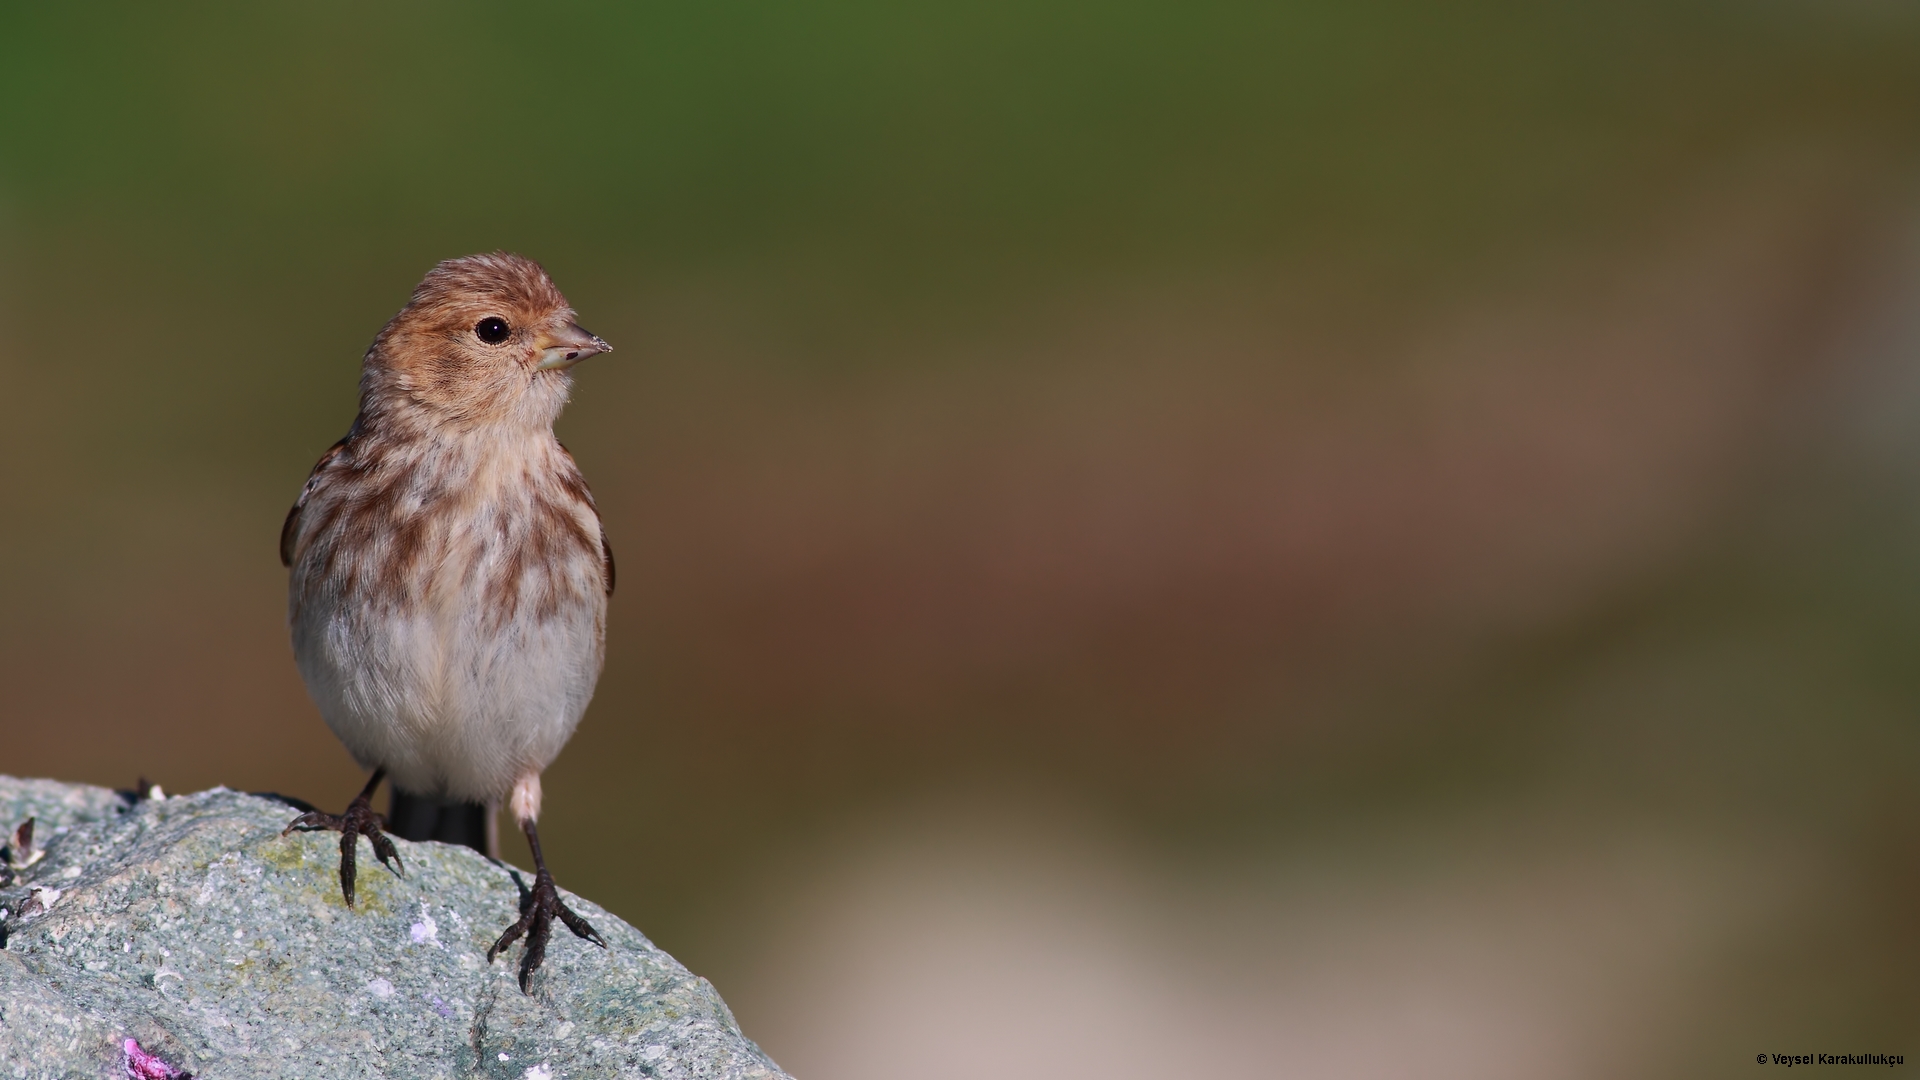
<point x="359" y="820"/>
<point x="537" y="912"/>
<point x="536" y="916"/>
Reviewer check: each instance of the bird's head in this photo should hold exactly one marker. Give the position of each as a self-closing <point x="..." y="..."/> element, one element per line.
<point x="485" y="339"/>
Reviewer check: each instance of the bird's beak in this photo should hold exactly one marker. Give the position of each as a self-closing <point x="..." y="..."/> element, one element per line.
<point x="568" y="346"/>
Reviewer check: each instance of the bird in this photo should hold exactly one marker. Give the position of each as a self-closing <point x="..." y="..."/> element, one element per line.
<point x="449" y="574"/>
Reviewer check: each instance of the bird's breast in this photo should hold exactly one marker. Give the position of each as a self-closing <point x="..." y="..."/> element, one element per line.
<point x="485" y="532"/>
<point x="449" y="611"/>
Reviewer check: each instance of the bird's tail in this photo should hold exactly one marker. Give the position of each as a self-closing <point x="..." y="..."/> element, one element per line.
<point x="418" y="817"/>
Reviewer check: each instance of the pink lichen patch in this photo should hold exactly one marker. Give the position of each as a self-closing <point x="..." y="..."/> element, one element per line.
<point x="144" y="1066"/>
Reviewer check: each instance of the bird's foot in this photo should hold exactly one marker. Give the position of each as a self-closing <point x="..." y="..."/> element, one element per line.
<point x="359" y="820"/>
<point x="536" y="922"/>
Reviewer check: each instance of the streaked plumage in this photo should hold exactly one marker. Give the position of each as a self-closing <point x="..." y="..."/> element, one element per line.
<point x="449" y="571"/>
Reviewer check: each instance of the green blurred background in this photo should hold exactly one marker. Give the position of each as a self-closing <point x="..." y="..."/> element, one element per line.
<point x="1364" y="539"/>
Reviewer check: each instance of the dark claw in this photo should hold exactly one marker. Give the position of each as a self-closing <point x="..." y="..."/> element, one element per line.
<point x="580" y="927"/>
<point x="513" y="934"/>
<point x="312" y="820"/>
<point x="359" y="820"/>
<point x="536" y="922"/>
<point x="349" y="847"/>
<point x="384" y="850"/>
<point x="536" y="952"/>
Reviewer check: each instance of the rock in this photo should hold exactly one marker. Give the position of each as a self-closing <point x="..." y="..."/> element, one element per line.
<point x="186" y="935"/>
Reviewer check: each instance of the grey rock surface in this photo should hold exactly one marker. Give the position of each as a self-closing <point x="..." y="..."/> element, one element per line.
<point x="191" y="926"/>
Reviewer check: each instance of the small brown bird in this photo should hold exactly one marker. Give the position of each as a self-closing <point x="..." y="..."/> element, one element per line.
<point x="450" y="574"/>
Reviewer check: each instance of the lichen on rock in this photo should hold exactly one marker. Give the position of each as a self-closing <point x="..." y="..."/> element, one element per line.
<point x="190" y="926"/>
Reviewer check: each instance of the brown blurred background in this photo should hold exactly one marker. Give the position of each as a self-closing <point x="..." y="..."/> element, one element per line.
<point x="1156" y="539"/>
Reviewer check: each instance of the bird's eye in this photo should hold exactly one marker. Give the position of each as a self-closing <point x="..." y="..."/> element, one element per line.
<point x="493" y="330"/>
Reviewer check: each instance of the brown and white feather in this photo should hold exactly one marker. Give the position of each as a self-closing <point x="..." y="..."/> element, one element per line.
<point x="449" y="570"/>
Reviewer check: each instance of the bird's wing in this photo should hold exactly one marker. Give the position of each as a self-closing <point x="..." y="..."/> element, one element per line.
<point x="291" y="530"/>
<point x="606" y="554"/>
